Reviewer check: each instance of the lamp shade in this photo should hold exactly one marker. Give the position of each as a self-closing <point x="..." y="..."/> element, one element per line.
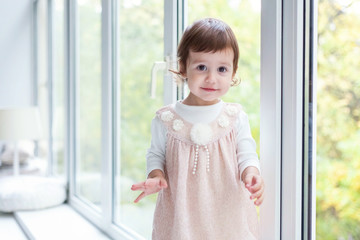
<point x="20" y="124"/>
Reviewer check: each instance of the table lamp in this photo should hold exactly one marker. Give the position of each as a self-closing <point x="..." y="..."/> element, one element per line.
<point x="18" y="124"/>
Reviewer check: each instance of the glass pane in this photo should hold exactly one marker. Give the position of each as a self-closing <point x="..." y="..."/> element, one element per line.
<point x="88" y="109"/>
<point x="58" y="90"/>
<point x="243" y="16"/>
<point x="141" y="44"/>
<point x="338" y="121"/>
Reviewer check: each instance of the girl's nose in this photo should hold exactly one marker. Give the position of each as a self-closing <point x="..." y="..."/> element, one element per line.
<point x="211" y="77"/>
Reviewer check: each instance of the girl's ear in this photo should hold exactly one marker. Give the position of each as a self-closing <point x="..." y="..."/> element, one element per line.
<point x="182" y="70"/>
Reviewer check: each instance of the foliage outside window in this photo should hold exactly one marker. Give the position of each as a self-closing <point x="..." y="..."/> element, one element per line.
<point x="88" y="104"/>
<point x="141" y="43"/>
<point x="338" y="120"/>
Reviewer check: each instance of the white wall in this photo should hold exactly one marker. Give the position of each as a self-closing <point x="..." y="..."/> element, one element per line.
<point x="16" y="57"/>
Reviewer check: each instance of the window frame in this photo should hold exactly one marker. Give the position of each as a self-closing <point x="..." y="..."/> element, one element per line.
<point x="270" y="117"/>
<point x="50" y="83"/>
<point x="310" y="112"/>
<point x="292" y="120"/>
<point x="284" y="54"/>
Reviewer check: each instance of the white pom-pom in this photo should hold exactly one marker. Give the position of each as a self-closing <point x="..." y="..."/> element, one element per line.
<point x="178" y="124"/>
<point x="231" y="110"/>
<point x="201" y="134"/>
<point x="167" y="116"/>
<point x="223" y="121"/>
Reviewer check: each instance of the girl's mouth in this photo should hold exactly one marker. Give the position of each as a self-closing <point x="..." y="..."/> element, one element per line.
<point x="209" y="89"/>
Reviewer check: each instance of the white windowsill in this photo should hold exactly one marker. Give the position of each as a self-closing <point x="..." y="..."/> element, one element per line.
<point x="60" y="222"/>
<point x="9" y="229"/>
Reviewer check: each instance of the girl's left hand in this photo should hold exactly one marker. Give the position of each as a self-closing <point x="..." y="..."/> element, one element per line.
<point x="255" y="184"/>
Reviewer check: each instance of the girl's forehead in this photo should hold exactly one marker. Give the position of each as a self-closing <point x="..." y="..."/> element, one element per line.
<point x="226" y="49"/>
<point x="224" y="54"/>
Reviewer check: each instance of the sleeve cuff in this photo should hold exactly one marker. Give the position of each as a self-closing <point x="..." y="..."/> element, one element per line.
<point x="155" y="166"/>
<point x="249" y="163"/>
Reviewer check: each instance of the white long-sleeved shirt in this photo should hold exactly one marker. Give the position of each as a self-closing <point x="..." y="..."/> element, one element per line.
<point x="245" y="144"/>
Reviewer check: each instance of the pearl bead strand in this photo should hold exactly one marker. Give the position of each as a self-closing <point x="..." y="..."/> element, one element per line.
<point x="197" y="159"/>
<point x="207" y="159"/>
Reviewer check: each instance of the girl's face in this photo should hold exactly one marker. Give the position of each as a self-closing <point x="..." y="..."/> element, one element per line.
<point x="209" y="76"/>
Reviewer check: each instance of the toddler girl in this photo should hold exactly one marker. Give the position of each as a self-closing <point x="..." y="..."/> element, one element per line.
<point x="202" y="158"/>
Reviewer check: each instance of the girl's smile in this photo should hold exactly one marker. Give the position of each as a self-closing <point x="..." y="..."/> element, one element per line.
<point x="209" y="89"/>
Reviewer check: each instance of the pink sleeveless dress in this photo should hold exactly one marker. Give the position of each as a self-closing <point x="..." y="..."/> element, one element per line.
<point x="205" y="198"/>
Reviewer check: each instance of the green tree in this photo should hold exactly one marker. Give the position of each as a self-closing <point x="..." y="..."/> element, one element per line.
<point x="338" y="121"/>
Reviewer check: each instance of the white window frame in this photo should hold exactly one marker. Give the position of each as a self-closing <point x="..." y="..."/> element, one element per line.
<point x="50" y="84"/>
<point x="282" y="119"/>
<point x="270" y="117"/>
<point x="292" y="120"/>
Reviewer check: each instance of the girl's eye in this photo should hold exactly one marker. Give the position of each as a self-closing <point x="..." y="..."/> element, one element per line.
<point x="202" y="67"/>
<point x="222" y="69"/>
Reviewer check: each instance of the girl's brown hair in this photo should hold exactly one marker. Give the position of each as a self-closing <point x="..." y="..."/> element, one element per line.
<point x="207" y="35"/>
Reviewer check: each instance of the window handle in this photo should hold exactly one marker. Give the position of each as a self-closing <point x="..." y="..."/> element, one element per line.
<point x="158" y="66"/>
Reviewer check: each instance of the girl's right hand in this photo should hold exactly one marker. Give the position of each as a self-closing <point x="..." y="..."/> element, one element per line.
<point x="150" y="186"/>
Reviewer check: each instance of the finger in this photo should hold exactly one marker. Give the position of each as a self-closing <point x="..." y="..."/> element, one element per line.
<point x="141" y="196"/>
<point x="259" y="201"/>
<point x="257" y="194"/>
<point x="138" y="186"/>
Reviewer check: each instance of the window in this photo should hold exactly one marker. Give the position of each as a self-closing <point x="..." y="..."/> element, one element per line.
<point x="88" y="103"/>
<point x="338" y="121"/>
<point x="111" y="47"/>
<point x="108" y="96"/>
<point x="141" y="44"/>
